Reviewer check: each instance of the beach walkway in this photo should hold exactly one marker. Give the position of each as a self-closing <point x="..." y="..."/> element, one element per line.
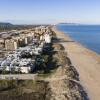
<point x="19" y="76"/>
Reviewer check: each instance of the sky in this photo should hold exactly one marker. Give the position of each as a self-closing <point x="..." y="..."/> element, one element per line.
<point x="50" y="11"/>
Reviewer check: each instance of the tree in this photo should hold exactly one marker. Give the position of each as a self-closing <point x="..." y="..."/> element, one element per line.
<point x="19" y="70"/>
<point x="13" y="70"/>
<point x="42" y="62"/>
<point x="4" y="70"/>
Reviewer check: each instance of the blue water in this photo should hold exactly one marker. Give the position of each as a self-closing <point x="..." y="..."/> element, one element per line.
<point x="88" y="35"/>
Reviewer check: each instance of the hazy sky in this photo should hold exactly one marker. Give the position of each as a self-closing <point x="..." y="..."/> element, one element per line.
<point x="50" y="11"/>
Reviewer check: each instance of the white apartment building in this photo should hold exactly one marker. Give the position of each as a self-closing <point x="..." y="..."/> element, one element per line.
<point x="47" y="38"/>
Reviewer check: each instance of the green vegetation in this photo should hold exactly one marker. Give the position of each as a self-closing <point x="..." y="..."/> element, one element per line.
<point x="7" y="84"/>
<point x="15" y="87"/>
<point x="22" y="90"/>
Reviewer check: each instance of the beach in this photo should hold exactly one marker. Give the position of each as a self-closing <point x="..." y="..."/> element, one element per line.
<point x="85" y="61"/>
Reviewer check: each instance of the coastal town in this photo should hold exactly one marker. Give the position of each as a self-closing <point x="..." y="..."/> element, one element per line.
<point x="49" y="49"/>
<point x="36" y="59"/>
<point x="20" y="48"/>
<point x="43" y="58"/>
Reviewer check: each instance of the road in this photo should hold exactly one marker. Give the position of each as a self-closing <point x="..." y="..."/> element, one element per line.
<point x="19" y="76"/>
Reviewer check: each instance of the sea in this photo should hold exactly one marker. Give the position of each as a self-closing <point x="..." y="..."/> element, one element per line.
<point x="87" y="35"/>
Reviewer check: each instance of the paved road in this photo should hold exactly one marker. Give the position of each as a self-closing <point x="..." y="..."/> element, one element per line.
<point x="18" y="76"/>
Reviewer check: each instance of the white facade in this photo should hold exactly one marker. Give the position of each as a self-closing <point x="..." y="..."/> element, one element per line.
<point x="26" y="41"/>
<point x="47" y="38"/>
<point x="25" y="69"/>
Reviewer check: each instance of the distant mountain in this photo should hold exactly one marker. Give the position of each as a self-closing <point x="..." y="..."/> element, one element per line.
<point x="8" y="26"/>
<point x="70" y="23"/>
<point x="5" y="24"/>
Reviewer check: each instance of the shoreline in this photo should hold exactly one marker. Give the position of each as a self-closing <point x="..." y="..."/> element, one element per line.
<point x="87" y="63"/>
<point x="84" y="46"/>
<point x="93" y="53"/>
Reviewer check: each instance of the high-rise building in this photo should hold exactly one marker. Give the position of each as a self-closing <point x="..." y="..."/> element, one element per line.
<point x="11" y="44"/>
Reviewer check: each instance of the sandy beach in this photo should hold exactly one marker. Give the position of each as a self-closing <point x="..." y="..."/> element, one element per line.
<point x="86" y="62"/>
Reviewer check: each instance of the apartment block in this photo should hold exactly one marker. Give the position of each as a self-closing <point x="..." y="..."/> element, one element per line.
<point x="11" y="44"/>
